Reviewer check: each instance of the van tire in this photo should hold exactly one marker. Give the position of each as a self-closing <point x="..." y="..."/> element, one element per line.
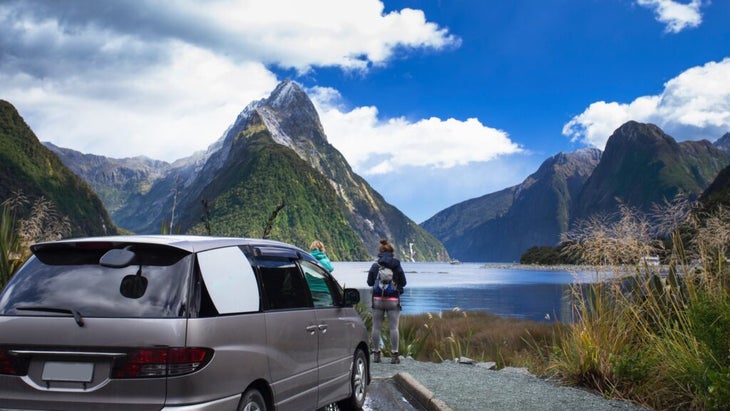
<point x="252" y="400"/>
<point x="358" y="383"/>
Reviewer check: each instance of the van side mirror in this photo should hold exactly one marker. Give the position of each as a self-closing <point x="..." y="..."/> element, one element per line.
<point x="351" y="297"/>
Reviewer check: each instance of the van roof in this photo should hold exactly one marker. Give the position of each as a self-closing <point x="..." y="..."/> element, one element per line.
<point x="190" y="243"/>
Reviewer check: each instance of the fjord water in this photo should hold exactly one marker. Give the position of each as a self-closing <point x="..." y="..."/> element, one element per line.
<point x="504" y="290"/>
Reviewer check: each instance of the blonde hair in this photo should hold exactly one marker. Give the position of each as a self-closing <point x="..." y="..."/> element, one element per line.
<point x="385" y="246"/>
<point x="317" y="245"/>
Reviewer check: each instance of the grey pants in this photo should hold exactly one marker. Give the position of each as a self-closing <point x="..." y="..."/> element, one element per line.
<point x="381" y="306"/>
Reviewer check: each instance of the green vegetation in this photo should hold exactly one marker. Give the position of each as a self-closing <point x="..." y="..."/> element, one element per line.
<point x="29" y="166"/>
<point x="658" y="340"/>
<point x="270" y="178"/>
<point x="17" y="234"/>
<point x="546" y="255"/>
<point x="10" y="249"/>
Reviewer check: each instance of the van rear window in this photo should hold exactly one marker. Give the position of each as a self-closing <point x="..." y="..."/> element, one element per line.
<point x="72" y="279"/>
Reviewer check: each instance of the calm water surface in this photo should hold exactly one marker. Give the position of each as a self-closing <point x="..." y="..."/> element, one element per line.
<point x="513" y="292"/>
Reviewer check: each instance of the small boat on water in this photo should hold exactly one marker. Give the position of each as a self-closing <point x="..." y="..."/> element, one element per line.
<point x="454" y="261"/>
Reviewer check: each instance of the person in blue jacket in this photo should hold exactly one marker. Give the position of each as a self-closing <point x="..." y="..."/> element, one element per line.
<point x="320" y="253"/>
<point x="386" y="302"/>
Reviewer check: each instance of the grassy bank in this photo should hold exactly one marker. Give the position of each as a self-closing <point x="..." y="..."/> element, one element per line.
<point x="480" y="336"/>
<point x="660" y="339"/>
<point x="660" y="342"/>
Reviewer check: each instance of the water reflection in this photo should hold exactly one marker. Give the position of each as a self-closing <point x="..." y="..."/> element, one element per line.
<point x="435" y="287"/>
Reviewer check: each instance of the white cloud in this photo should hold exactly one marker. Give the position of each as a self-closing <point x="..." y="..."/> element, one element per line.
<point x="164" y="79"/>
<point x="373" y="146"/>
<point x="349" y="34"/>
<point x="694" y="105"/>
<point x="677" y="16"/>
<point x="290" y="33"/>
<point x="168" y="112"/>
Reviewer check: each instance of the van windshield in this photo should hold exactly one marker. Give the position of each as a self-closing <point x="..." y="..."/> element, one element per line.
<point x="79" y="284"/>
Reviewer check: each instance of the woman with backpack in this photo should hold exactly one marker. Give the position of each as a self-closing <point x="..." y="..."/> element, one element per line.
<point x="387" y="278"/>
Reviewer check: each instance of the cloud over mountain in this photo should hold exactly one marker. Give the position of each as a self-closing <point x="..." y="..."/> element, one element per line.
<point x="146" y="69"/>
<point x="694" y="105"/>
<point x="374" y="146"/>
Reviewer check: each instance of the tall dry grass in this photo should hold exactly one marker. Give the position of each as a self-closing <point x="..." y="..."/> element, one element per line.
<point x="480" y="336"/>
<point x="42" y="223"/>
<point x="660" y="339"/>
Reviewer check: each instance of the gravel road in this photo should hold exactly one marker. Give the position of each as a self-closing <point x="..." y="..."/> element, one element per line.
<point x="469" y="387"/>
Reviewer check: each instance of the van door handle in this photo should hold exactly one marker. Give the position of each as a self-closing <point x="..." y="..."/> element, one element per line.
<point x="322" y="328"/>
<point x="311" y="329"/>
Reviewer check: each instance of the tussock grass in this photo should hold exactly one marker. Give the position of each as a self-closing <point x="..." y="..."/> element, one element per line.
<point x="661" y="339"/>
<point x="17" y="233"/>
<point x="478" y="335"/>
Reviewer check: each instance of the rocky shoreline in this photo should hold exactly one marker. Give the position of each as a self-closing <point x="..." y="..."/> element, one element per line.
<point x="539" y="267"/>
<point x="621" y="270"/>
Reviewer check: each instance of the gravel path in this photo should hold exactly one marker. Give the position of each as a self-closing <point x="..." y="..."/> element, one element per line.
<point x="468" y="387"/>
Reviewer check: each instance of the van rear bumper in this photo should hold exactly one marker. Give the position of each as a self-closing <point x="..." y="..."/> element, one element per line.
<point x="228" y="403"/>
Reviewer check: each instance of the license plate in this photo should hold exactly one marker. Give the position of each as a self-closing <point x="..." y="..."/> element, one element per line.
<point x="68" y="371"/>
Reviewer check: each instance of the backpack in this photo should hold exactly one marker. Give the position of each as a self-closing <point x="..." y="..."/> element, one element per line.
<point x="384" y="284"/>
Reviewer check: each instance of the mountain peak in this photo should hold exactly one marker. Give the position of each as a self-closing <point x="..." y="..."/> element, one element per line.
<point x="643" y="166"/>
<point x="633" y="135"/>
<point x="635" y="130"/>
<point x="723" y="142"/>
<point x="287" y="93"/>
<point x="290" y="111"/>
<point x="582" y="155"/>
<point x="292" y="119"/>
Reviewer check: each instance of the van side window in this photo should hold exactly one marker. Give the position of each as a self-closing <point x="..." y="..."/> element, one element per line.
<point x="283" y="284"/>
<point x="319" y="285"/>
<point x="229" y="280"/>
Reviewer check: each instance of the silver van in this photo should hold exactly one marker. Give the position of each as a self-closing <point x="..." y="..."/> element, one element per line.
<point x="179" y="323"/>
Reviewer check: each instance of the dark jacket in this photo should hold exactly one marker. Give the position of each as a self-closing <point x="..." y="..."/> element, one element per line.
<point x="388" y="260"/>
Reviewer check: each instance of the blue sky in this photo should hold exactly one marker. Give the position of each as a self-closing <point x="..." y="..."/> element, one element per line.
<point x="432" y="102"/>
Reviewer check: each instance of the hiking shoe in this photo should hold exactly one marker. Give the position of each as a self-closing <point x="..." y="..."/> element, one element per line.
<point x="394" y="359"/>
<point x="376" y="356"/>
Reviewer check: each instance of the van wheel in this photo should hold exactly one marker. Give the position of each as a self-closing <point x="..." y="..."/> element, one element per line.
<point x="358" y="383"/>
<point x="252" y="400"/>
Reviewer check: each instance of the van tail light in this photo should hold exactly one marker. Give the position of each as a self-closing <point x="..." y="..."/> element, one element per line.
<point x="161" y="362"/>
<point x="13" y="364"/>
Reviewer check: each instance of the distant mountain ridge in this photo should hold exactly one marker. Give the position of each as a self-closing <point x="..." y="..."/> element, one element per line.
<point x="640" y="167"/>
<point x="723" y="143"/>
<point x="114" y="180"/>
<point x="274" y="154"/>
<point x="27" y="166"/>
<point x="502" y="225"/>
